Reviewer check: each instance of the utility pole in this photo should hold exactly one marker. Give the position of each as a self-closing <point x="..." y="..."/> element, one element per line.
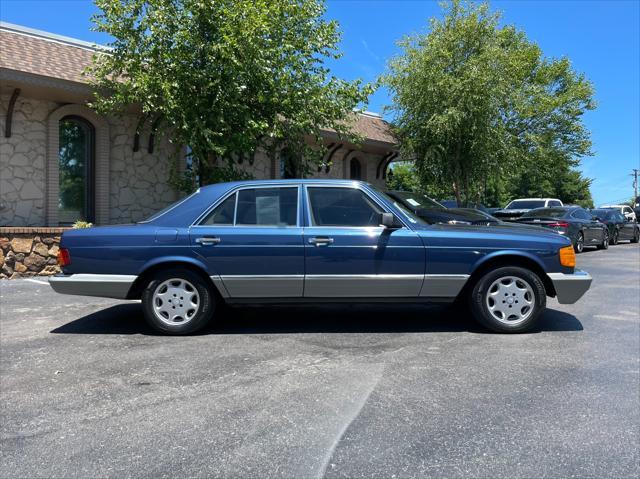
<point x="635" y="184"/>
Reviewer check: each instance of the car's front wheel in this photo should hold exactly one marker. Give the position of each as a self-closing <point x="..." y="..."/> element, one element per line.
<point x="178" y="301"/>
<point x="636" y="236"/>
<point x="508" y="299"/>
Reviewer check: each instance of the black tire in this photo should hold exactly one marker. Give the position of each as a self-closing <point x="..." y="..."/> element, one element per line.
<point x="196" y="318"/>
<point x="479" y="303"/>
<point x="636" y="236"/>
<point x="614" y="239"/>
<point x="605" y="240"/>
<point x="578" y="246"/>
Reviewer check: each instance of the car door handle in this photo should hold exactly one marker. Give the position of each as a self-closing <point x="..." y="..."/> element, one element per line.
<point x="208" y="240"/>
<point x="321" y="241"/>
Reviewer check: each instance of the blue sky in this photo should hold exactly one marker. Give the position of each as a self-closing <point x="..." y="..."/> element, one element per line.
<point x="602" y="39"/>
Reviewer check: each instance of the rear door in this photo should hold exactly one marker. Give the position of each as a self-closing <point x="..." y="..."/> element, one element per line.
<point x="252" y="241"/>
<point x="348" y="255"/>
<point x="592" y="229"/>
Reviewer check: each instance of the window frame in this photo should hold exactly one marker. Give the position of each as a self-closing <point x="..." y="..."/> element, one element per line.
<point x="372" y="198"/>
<point x="236" y="191"/>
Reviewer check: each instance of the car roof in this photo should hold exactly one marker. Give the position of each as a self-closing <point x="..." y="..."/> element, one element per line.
<point x="528" y="199"/>
<point x="296" y="181"/>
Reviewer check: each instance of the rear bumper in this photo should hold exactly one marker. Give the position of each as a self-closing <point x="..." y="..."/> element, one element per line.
<point x="570" y="287"/>
<point x="103" y="285"/>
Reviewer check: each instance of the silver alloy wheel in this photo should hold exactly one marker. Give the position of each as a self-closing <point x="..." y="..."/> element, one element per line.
<point x="580" y="243"/>
<point x="175" y="301"/>
<point x="510" y="300"/>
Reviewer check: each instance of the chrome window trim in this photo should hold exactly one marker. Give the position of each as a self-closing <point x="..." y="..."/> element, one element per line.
<point x="236" y="191"/>
<point x="355" y="186"/>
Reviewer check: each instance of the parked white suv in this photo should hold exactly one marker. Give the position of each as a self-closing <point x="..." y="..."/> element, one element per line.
<point x="516" y="208"/>
<point x="626" y="211"/>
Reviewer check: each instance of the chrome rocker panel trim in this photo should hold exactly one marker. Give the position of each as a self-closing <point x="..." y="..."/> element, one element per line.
<point x="570" y="287"/>
<point x="103" y="285"/>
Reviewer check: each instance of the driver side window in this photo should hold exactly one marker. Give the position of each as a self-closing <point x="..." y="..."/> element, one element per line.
<point x="342" y="207"/>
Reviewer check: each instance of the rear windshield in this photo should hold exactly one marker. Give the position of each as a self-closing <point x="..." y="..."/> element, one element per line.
<point x="168" y="208"/>
<point x="547" y="212"/>
<point x="525" y="204"/>
<point x="602" y="214"/>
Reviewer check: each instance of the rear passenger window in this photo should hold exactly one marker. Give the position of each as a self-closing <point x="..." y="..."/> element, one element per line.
<point x="223" y="213"/>
<point x="267" y="207"/>
<point x="342" y="207"/>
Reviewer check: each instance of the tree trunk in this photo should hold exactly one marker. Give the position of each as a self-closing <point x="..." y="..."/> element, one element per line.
<point x="456" y="190"/>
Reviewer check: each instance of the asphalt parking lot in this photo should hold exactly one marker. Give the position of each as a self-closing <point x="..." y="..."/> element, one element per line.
<point x="413" y="391"/>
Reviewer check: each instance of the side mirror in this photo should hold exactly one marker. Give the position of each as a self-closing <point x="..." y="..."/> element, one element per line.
<point x="389" y="221"/>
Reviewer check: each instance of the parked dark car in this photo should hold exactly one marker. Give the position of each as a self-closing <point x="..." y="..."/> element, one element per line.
<point x="576" y="223"/>
<point x="313" y="241"/>
<point x="434" y="212"/>
<point x="475" y="206"/>
<point x="620" y="227"/>
<point x="516" y="208"/>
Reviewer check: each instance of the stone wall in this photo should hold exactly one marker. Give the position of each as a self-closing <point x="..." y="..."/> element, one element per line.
<point x="22" y="162"/>
<point x="28" y="252"/>
<point x="138" y="181"/>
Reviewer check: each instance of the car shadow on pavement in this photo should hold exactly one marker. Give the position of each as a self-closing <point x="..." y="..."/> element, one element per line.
<point x="292" y="319"/>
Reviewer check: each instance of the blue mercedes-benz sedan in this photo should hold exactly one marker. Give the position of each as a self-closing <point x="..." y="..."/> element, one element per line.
<point x="314" y="241"/>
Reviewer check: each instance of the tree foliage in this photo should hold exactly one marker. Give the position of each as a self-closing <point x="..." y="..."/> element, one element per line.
<point x="480" y="108"/>
<point x="227" y="76"/>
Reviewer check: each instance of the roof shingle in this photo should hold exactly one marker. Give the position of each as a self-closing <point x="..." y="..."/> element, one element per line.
<point x="40" y="53"/>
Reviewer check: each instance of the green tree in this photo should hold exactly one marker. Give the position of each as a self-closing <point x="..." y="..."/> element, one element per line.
<point x="402" y="176"/>
<point x="227" y="76"/>
<point x="477" y="104"/>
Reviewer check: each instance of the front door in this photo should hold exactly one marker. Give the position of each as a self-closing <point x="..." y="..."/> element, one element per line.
<point x="252" y="242"/>
<point x="347" y="253"/>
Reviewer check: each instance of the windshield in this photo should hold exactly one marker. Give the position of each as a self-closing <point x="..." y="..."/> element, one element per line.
<point x="167" y="208"/>
<point x="414" y="201"/>
<point x="547" y="212"/>
<point x="525" y="204"/>
<point x="399" y="204"/>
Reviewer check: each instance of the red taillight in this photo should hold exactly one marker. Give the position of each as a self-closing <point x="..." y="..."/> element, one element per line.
<point x="559" y="225"/>
<point x="64" y="258"/>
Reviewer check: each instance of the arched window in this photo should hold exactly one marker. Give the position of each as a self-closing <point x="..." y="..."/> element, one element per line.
<point x="355" y="169"/>
<point x="76" y="165"/>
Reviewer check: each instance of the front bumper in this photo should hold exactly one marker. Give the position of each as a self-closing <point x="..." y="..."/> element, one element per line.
<point x="102" y="285"/>
<point x="570" y="287"/>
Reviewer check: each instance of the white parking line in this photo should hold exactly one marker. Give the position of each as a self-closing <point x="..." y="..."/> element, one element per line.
<point x="37" y="281"/>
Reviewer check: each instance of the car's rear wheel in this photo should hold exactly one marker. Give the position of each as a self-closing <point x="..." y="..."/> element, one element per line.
<point x="636" y="236"/>
<point x="605" y="240"/>
<point x="579" y="244"/>
<point x="508" y="300"/>
<point x="178" y="301"/>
